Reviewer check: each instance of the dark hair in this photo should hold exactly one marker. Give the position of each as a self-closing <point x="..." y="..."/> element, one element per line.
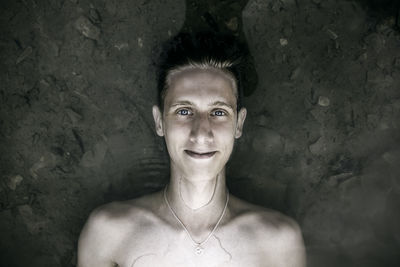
<point x="201" y="50"/>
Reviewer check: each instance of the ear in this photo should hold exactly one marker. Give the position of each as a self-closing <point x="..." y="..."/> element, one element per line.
<point x="158" y="120"/>
<point x="240" y="122"/>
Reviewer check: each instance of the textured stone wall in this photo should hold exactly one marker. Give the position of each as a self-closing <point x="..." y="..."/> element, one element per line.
<point x="77" y="86"/>
<point x="323" y="137"/>
<point x="321" y="142"/>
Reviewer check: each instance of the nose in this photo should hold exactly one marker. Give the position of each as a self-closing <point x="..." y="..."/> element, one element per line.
<point x="201" y="132"/>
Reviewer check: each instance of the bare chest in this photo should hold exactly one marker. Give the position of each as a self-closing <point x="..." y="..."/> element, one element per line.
<point x="163" y="246"/>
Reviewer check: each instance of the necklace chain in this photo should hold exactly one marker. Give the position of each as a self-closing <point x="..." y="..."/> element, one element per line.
<point x="180" y="195"/>
<point x="198" y="249"/>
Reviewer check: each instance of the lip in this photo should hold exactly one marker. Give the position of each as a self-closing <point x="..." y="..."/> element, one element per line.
<point x="200" y="155"/>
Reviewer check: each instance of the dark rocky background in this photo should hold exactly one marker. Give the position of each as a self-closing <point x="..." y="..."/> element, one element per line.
<point x="321" y="143"/>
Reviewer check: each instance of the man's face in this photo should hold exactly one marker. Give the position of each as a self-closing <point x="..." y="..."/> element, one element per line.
<point x="199" y="122"/>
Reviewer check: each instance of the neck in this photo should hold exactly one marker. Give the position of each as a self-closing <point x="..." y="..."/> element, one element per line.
<point x="197" y="201"/>
<point x="197" y="195"/>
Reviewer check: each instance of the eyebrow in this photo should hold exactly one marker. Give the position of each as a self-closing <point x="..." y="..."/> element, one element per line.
<point x="221" y="104"/>
<point x="182" y="103"/>
<point x="189" y="103"/>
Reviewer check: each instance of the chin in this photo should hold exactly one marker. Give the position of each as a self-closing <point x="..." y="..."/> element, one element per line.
<point x="201" y="172"/>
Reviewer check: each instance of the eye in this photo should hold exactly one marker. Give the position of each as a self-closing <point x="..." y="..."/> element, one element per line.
<point x="218" y="113"/>
<point x="184" y="112"/>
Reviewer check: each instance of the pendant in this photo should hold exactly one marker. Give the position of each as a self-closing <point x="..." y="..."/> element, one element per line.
<point x="199" y="250"/>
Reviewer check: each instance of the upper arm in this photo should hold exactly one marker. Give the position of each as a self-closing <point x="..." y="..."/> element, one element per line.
<point x="293" y="251"/>
<point x="289" y="249"/>
<point x="95" y="242"/>
<point x="282" y="241"/>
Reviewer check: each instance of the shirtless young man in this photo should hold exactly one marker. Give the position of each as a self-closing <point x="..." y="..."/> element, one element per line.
<point x="193" y="221"/>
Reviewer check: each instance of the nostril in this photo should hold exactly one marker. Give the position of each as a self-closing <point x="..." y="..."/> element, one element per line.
<point x="201" y="139"/>
<point x="201" y="136"/>
<point x="201" y="131"/>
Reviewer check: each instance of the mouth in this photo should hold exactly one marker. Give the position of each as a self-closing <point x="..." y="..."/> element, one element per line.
<point x="197" y="155"/>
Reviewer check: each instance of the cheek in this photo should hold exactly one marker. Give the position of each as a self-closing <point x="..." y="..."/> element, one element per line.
<point x="177" y="128"/>
<point x="176" y="134"/>
<point x="224" y="131"/>
<point x="225" y="137"/>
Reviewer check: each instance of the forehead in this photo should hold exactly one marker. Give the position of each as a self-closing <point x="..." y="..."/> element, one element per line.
<point x="213" y="84"/>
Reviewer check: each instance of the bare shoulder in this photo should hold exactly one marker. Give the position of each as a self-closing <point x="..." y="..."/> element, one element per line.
<point x="108" y="225"/>
<point x="273" y="230"/>
<point x="114" y="215"/>
<point x="268" y="219"/>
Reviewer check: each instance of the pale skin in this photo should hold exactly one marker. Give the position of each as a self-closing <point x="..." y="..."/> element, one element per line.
<point x="199" y="123"/>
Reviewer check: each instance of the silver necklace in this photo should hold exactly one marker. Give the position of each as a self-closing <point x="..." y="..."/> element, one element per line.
<point x="198" y="245"/>
<point x="180" y="195"/>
